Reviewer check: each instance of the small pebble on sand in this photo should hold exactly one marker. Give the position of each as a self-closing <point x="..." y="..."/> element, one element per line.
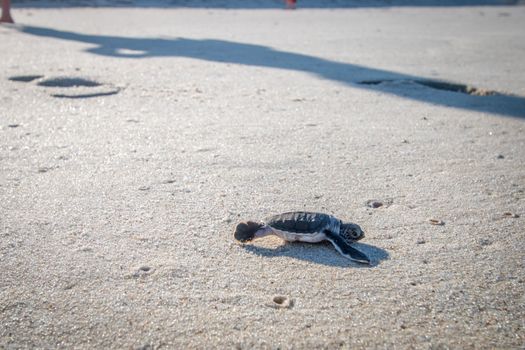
<point x="436" y="222"/>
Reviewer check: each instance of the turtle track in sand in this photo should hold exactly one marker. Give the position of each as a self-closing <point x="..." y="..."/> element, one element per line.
<point x="69" y="86"/>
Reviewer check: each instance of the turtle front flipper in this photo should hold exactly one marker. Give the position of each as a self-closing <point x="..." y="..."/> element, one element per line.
<point x="345" y="249"/>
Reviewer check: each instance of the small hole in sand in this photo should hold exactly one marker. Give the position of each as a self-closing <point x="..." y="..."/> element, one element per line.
<point x="145" y="268"/>
<point x="279" y="300"/>
<point x="282" y="302"/>
<point x="374" y="204"/>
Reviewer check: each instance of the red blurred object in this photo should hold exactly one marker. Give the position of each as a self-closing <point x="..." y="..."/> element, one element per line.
<point x="291" y="4"/>
<point x="6" y="12"/>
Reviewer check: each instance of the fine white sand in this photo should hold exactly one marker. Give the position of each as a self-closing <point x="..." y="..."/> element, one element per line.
<point x="118" y="201"/>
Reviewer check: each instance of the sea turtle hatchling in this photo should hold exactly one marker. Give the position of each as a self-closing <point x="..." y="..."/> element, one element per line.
<point x="307" y="227"/>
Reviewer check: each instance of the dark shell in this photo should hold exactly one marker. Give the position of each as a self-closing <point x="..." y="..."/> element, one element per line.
<point x="299" y="222"/>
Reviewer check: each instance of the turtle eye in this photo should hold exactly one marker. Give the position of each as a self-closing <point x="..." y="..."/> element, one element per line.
<point x="357" y="234"/>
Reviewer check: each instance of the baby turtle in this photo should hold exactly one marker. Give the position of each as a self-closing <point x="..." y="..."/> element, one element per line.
<point x="307" y="227"/>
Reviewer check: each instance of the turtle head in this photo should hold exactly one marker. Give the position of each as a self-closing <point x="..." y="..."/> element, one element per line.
<point x="245" y="231"/>
<point x="352" y="232"/>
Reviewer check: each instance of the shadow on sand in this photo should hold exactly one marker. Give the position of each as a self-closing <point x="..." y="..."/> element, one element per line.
<point x="399" y="84"/>
<point x="321" y="253"/>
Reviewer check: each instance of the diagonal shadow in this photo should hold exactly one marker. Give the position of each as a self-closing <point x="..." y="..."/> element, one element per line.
<point x="320" y="253"/>
<point x="399" y="84"/>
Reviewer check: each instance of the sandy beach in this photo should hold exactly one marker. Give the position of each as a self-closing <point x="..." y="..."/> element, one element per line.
<point x="134" y="138"/>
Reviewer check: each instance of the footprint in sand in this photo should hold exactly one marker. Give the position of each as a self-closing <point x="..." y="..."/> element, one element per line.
<point x="70" y="87"/>
<point x="434" y="84"/>
<point x="25" y="78"/>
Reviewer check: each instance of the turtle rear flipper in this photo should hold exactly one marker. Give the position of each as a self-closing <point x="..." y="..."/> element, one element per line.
<point x="245" y="231"/>
<point x="345" y="249"/>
